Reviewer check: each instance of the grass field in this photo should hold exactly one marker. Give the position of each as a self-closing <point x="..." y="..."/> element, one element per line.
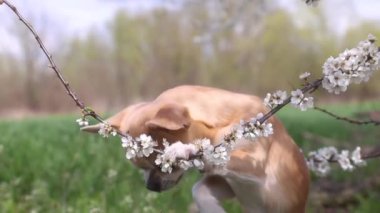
<point x="48" y="165"/>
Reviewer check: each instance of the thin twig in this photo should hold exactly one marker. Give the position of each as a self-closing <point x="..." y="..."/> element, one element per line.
<point x="349" y="120"/>
<point x="371" y="153"/>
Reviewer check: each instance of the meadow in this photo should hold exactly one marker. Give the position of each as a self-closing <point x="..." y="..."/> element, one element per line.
<point x="48" y="165"/>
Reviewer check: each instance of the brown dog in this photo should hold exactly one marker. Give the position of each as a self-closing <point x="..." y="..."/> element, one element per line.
<point x="265" y="175"/>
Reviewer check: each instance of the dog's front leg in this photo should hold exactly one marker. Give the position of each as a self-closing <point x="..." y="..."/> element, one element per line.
<point x="209" y="192"/>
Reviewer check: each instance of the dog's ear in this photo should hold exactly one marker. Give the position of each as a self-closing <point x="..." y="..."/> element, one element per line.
<point x="114" y="121"/>
<point x="171" y="117"/>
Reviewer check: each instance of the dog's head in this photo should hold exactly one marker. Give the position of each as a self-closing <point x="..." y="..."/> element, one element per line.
<point x="169" y="121"/>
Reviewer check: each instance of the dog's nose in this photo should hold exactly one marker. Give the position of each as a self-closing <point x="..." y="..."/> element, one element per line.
<point x="154" y="186"/>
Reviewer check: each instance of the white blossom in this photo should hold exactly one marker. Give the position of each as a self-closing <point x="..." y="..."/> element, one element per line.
<point x="82" y="122"/>
<point x="159" y="160"/>
<point x="357" y="158"/>
<point x="246" y="131"/>
<point x="328" y="153"/>
<point x="185" y="164"/>
<point x="230" y="144"/>
<point x="239" y="131"/>
<point x="299" y="100"/>
<point x="106" y="130"/>
<point x="304" y="75"/>
<point x="253" y="128"/>
<point x="336" y="82"/>
<point x="130" y="153"/>
<point x="220" y="156"/>
<point x="147" y="144"/>
<point x="177" y="153"/>
<point x="179" y="150"/>
<point x="130" y="146"/>
<point x="199" y="164"/>
<point x="323" y="168"/>
<point x="265" y="129"/>
<point x="279" y="97"/>
<point x="354" y="65"/>
<point x="165" y="163"/>
<point x="297" y="97"/>
<point x="306" y="103"/>
<point x="165" y="143"/>
<point x="268" y="100"/>
<point x="167" y="167"/>
<point x="344" y="160"/>
<point x="204" y="145"/>
<point x="318" y="161"/>
<point x="275" y="99"/>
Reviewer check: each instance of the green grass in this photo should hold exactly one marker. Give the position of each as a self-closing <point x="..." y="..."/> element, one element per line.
<point x="48" y="165"/>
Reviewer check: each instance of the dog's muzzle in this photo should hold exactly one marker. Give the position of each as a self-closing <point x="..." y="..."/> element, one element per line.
<point x="154" y="185"/>
<point x="158" y="181"/>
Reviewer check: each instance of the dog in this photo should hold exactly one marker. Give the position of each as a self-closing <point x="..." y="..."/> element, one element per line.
<point x="268" y="174"/>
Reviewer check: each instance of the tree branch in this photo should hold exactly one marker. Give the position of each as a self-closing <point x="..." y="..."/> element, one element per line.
<point x="349" y="120"/>
<point x="365" y="153"/>
<point x="370" y="153"/>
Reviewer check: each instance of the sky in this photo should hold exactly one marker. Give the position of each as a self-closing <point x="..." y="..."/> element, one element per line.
<point x="69" y="17"/>
<point x="77" y="17"/>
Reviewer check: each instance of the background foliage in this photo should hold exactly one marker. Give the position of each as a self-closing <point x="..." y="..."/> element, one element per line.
<point x="140" y="55"/>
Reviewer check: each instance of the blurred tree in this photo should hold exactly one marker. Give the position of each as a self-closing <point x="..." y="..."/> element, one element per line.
<point x="128" y="42"/>
<point x="227" y="33"/>
<point x="30" y="59"/>
<point x="90" y="58"/>
<point x="171" y="53"/>
<point x="238" y="45"/>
